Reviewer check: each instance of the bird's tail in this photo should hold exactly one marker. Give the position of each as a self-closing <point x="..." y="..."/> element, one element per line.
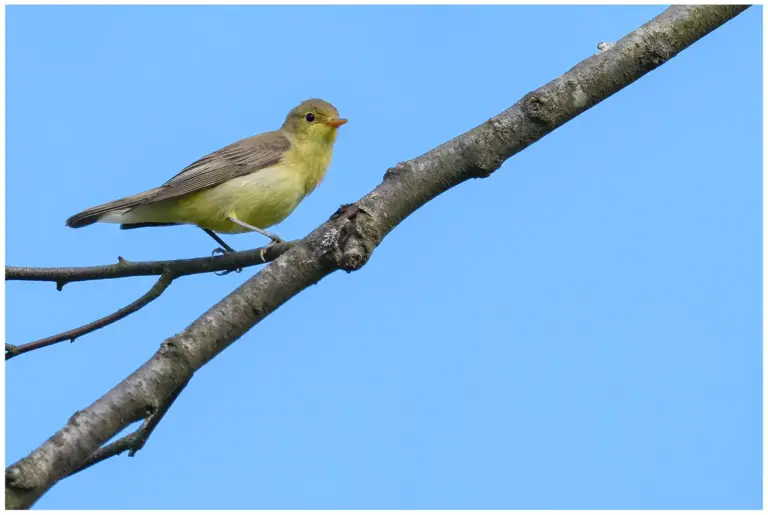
<point x="111" y="211"/>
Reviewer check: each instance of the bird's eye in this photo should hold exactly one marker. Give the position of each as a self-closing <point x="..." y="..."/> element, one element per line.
<point x="310" y="117"/>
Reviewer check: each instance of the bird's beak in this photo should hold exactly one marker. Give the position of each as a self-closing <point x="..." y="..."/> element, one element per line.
<point x="336" y="123"/>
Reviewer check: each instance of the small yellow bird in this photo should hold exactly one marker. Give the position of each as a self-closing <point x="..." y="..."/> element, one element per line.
<point x="249" y="185"/>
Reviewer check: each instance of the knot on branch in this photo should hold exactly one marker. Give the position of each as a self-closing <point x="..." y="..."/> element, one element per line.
<point x="654" y="55"/>
<point x="355" y="239"/>
<point x="169" y="345"/>
<point x="14" y="478"/>
<point x="604" y="45"/>
<point x="175" y="358"/>
<point x="495" y="136"/>
<point x="399" y="168"/>
<point x="538" y="110"/>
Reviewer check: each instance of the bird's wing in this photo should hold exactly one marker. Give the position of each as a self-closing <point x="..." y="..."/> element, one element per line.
<point x="240" y="158"/>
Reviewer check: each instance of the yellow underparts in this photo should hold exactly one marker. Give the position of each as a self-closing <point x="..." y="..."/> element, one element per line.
<point x="262" y="199"/>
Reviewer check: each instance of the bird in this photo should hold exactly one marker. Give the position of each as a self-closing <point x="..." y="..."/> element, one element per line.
<point x="247" y="186"/>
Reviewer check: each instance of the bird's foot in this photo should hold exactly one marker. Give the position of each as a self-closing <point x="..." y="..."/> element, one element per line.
<point x="275" y="240"/>
<point x="219" y="250"/>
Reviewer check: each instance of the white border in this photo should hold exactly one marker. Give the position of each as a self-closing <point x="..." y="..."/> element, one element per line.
<point x="394" y="2"/>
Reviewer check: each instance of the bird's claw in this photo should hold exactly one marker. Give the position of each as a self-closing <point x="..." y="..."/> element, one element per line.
<point x="227" y="272"/>
<point x="219" y="250"/>
<point x="264" y="250"/>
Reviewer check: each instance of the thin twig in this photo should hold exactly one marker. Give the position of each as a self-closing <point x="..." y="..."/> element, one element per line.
<point x="125" y="268"/>
<point x="165" y="280"/>
<point x="168" y="271"/>
<point x="135" y="441"/>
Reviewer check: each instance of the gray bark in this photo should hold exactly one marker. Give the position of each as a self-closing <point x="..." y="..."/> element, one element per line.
<point x="346" y="241"/>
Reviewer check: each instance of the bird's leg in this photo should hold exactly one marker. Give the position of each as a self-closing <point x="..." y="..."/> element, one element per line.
<point x="224" y="249"/>
<point x="275" y="238"/>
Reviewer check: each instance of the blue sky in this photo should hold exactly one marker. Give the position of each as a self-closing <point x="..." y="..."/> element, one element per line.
<point x="581" y="330"/>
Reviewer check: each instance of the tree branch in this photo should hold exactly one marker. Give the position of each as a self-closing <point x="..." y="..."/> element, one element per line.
<point x="347" y="240"/>
<point x="157" y="289"/>
<point x="135" y="441"/>
<point x="124" y="268"/>
<point x="168" y="270"/>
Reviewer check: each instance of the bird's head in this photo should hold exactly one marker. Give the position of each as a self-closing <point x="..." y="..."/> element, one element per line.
<point x="314" y="119"/>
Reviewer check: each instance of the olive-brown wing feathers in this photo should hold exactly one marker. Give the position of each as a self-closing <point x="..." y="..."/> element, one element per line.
<point x="240" y="158"/>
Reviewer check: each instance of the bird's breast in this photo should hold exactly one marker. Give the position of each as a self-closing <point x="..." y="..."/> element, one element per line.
<point x="310" y="160"/>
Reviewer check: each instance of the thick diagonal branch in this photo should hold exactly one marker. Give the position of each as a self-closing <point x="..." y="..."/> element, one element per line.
<point x="347" y="240"/>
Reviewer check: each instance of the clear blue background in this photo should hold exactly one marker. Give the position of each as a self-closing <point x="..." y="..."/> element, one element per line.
<point x="581" y="330"/>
